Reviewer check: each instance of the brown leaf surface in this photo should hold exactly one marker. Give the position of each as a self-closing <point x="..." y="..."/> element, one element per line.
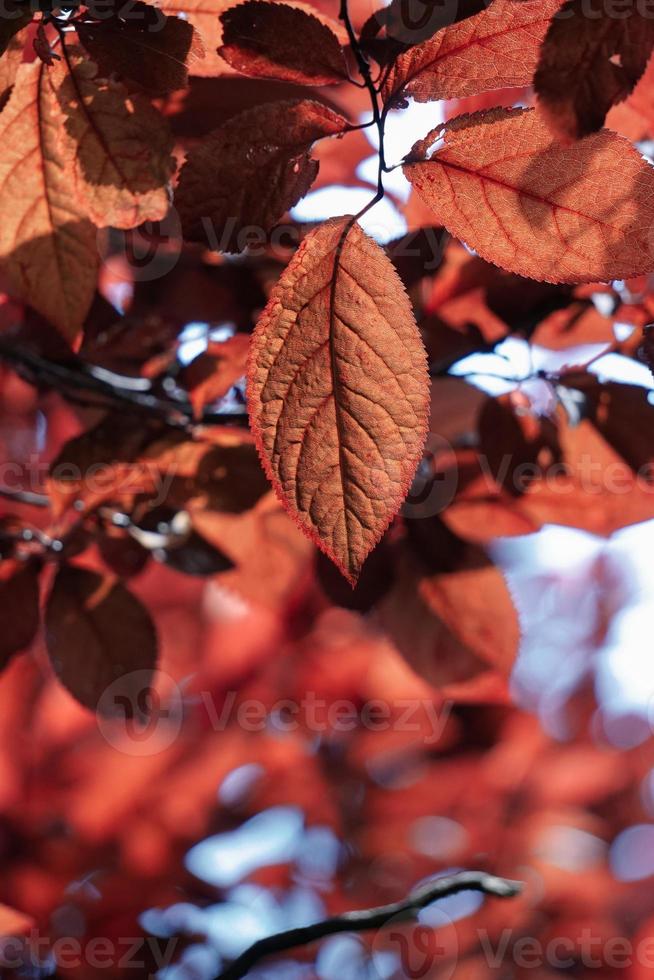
<point x="98" y="633"/>
<point x="204" y="15"/>
<point x="250" y="171"/>
<point x="47" y="244"/>
<point x="121" y="146"/>
<point x="531" y="206"/>
<point x="19" y="607"/>
<point x="476" y="606"/>
<point x="272" y="558"/>
<point x="277" y="40"/>
<point x="338" y="392"/>
<point x="9" y="63"/>
<point x="497" y="48"/>
<point x="588" y="64"/>
<point x="434" y="651"/>
<point x="154" y="54"/>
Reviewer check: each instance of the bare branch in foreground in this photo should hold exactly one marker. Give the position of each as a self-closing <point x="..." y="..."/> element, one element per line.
<point x="376" y="918"/>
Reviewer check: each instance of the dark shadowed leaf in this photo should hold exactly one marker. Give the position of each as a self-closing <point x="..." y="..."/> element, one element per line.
<point x="19" y="607"/>
<point x="277" y="40"/>
<point x="15" y="16"/>
<point x="246" y="174"/>
<point x="196" y="557"/>
<point x="122" y="554"/>
<point x="153" y="51"/>
<point x="588" y="63"/>
<point x="97" y="633"/>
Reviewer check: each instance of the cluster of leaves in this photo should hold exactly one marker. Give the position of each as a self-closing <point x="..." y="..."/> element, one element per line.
<point x="544" y="226"/>
<point x="340" y="392"/>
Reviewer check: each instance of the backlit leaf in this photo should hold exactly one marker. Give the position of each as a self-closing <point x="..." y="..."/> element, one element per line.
<point x="277" y="40"/>
<point x="587" y="64"/>
<point x="533" y="206"/>
<point x="122" y="146"/>
<point x="496" y="48"/>
<point x="475" y="605"/>
<point x="9" y="65"/>
<point x="47" y="244"/>
<point x="97" y="634"/>
<point x="246" y="174"/>
<point x="338" y="392"/>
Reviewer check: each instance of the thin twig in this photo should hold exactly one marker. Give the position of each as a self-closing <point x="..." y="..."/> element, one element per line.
<point x="25" y="497"/>
<point x="376" y="918"/>
<point x="111" y="387"/>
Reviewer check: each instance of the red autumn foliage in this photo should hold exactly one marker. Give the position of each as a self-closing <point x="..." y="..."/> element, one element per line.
<point x="325" y="555"/>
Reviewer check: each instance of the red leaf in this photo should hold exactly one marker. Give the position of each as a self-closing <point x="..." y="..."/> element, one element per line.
<point x="532" y="206"/>
<point x="497" y="48"/>
<point x="338" y="392"/>
<point x="246" y="174"/>
<point x="97" y="634"/>
<point x="277" y="40"/>
<point x="587" y="64"/>
<point x="120" y="146"/>
<point x="19" y="607"/>
<point x="156" y="56"/>
<point x="10" y="63"/>
<point x="204" y="15"/>
<point x="475" y="605"/>
<point x="47" y="244"/>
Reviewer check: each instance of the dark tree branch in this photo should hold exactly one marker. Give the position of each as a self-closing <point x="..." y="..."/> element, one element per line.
<point x="377" y="918"/>
<point x="106" y="389"/>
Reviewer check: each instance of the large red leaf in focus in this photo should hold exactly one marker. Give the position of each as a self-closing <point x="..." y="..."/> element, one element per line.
<point x="497" y="48"/>
<point x="587" y="64"/>
<point x="247" y="173"/>
<point x="277" y="40"/>
<point x="338" y="391"/>
<point x="579" y="213"/>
